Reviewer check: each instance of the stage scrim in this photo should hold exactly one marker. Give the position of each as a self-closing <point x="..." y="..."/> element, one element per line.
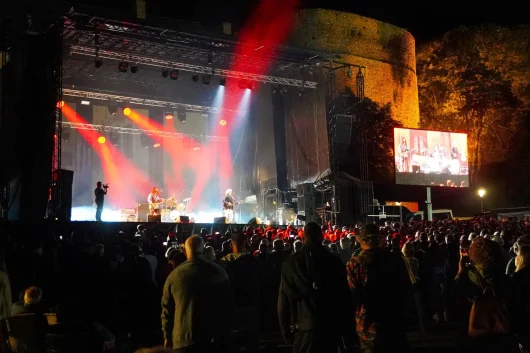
<point x="431" y="158"/>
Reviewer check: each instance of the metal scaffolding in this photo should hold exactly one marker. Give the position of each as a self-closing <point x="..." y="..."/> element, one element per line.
<point x="208" y="70"/>
<point x="131" y="131"/>
<point x="146" y="101"/>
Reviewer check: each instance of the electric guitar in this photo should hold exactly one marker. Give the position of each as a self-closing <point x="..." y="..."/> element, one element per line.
<point x="229" y="205"/>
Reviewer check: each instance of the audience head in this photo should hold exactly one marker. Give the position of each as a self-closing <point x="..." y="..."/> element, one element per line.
<point x="277" y="245"/>
<point x="209" y="253"/>
<point x="345" y="243"/>
<point x="239" y="242"/>
<point x="32" y="295"/>
<point x="312" y="234"/>
<point x="298" y="246"/>
<point x="369" y="237"/>
<point x="100" y="250"/>
<point x="522" y="250"/>
<point x="484" y="253"/>
<point x="334" y="249"/>
<point x="194" y="247"/>
<point x="408" y="249"/>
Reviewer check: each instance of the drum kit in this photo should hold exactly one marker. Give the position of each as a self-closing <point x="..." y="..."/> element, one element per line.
<point x="173" y="209"/>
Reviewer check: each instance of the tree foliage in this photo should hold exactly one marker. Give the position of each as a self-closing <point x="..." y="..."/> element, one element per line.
<point x="477" y="80"/>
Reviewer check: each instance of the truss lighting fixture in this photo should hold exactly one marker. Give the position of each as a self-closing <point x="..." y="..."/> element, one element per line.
<point x="156" y="145"/>
<point x="144" y="141"/>
<point x="113" y="108"/>
<point x="246" y="84"/>
<point x="98" y="63"/>
<point x="210" y="58"/>
<point x="60" y="104"/>
<point x="123" y="66"/>
<point x="165" y="73"/>
<point x="126" y="111"/>
<point x="85" y="102"/>
<point x="222" y="122"/>
<point x="66" y="135"/>
<point x="174" y="74"/>
<point x="134" y="68"/>
<point x="197" y="148"/>
<point x="168" y="115"/>
<point x="195" y="77"/>
<point x="182" y="115"/>
<point x="206" y="79"/>
<point x="102" y="139"/>
<point x="222" y="81"/>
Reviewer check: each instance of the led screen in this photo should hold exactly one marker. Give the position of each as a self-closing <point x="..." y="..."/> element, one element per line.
<point x="431" y="158"/>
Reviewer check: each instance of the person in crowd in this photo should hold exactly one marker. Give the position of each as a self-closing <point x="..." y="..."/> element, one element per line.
<point x="140" y="233"/>
<point x="297" y="246"/>
<point x="521" y="301"/>
<point x="471" y="282"/>
<point x="334" y="249"/>
<point x="30" y="304"/>
<point x="310" y="280"/>
<point x="197" y="303"/>
<point x="346" y="250"/>
<point x="413" y="268"/>
<point x="373" y="274"/>
<point x="273" y="269"/>
<point x="244" y="273"/>
<point x="209" y="253"/>
<point x="5" y="288"/>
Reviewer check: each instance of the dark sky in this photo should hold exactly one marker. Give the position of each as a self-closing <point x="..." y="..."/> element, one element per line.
<point x="424" y="19"/>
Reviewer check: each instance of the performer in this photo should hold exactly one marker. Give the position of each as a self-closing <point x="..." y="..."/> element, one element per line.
<point x="154" y="200"/>
<point x="454" y="151"/>
<point x="99" y="193"/>
<point x="404" y="153"/>
<point x="228" y="206"/>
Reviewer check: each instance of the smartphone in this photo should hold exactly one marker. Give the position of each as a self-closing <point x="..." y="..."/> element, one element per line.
<point x="464" y="254"/>
<point x="291" y="236"/>
<point x="164" y="243"/>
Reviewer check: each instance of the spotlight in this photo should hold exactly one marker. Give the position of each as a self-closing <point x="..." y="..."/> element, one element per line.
<point x="222" y="81"/>
<point x="182" y="115"/>
<point x="134" y="68"/>
<point x="85" y="102"/>
<point x="168" y="115"/>
<point x="156" y="145"/>
<point x="123" y="66"/>
<point x="195" y="78"/>
<point x="98" y="62"/>
<point x="60" y="104"/>
<point x="113" y="108"/>
<point x="174" y="74"/>
<point x="196" y="148"/>
<point x="144" y="141"/>
<point x="242" y="83"/>
<point x="206" y="79"/>
<point x="114" y="138"/>
<point x="222" y="122"/>
<point x="165" y="73"/>
<point x="251" y="85"/>
<point x="127" y="111"/>
<point x="210" y="58"/>
<point x="102" y="139"/>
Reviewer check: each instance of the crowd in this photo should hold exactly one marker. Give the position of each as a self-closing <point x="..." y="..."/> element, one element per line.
<point x="324" y="288"/>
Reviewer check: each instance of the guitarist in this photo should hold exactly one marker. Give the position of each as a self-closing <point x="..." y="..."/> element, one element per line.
<point x="228" y="206"/>
<point x="154" y="200"/>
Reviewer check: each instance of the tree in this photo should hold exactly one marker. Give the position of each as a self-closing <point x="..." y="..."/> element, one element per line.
<point x="379" y="136"/>
<point x="476" y="80"/>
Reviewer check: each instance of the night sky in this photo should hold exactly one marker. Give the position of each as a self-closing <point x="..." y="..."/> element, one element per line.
<point x="424" y="19"/>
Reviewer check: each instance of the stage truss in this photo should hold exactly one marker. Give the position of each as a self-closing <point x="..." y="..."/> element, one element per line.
<point x="146" y="101"/>
<point x="207" y="70"/>
<point x="132" y="131"/>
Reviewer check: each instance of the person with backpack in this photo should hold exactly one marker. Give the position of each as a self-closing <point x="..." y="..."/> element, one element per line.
<point x="312" y="281"/>
<point x="380" y="285"/>
<point x="483" y="293"/>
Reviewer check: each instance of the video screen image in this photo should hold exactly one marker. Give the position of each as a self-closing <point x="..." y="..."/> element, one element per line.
<point x="431" y="158"/>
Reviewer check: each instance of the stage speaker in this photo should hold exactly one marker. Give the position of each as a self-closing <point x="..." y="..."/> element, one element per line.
<point x="61" y="197"/>
<point x="306" y="203"/>
<point x="254" y="222"/>
<point x="157" y="218"/>
<point x="183" y="219"/>
<point x="416" y="169"/>
<point x="220" y="220"/>
<point x="142" y="211"/>
<point x="307" y="189"/>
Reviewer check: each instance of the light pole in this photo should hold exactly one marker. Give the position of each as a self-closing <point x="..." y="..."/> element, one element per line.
<point x="481" y="192"/>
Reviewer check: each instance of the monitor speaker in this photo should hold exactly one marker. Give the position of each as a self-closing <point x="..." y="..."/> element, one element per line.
<point x="254" y="222"/>
<point x="183" y="219"/>
<point x="152" y="218"/>
<point x="142" y="211"/>
<point x="220" y="220"/>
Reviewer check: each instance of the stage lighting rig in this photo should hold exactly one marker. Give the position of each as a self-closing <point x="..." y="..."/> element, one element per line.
<point x="195" y="77"/>
<point x="168" y="115"/>
<point x="98" y="63"/>
<point x="210" y="58"/>
<point x="165" y="73"/>
<point x="113" y="108"/>
<point x="174" y="75"/>
<point x="114" y="138"/>
<point x="134" y="68"/>
<point x="222" y="81"/>
<point x="123" y="66"/>
<point x="182" y="115"/>
<point x="206" y="79"/>
<point x="127" y="111"/>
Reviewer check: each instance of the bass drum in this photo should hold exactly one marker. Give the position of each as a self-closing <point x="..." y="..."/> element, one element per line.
<point x="174" y="215"/>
